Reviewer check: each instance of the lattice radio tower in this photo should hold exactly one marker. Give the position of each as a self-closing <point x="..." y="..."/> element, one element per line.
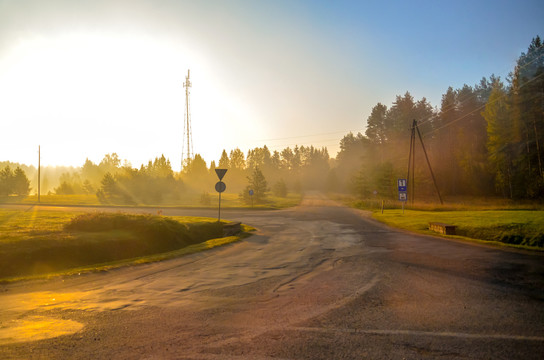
<point x="187" y="143"/>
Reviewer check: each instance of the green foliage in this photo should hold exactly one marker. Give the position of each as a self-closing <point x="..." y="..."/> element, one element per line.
<point x="237" y="160"/>
<point x="280" y="188"/>
<point x="64" y="189"/>
<point x="511" y="227"/>
<point x="499" y="150"/>
<point x="527" y="117"/>
<point x="88" y="188"/>
<point x="166" y="233"/>
<point x="259" y="185"/>
<point x="13" y="182"/>
<point x="196" y="175"/>
<point x="70" y="183"/>
<point x="32" y="243"/>
<point x="224" y="162"/>
<point x="259" y="158"/>
<point x="380" y="180"/>
<point x="306" y="166"/>
<point x="110" y="163"/>
<point x="356" y="152"/>
<point x="376" y="129"/>
<point x="6" y="181"/>
<point x="499" y="139"/>
<point x="314" y="167"/>
<point x="151" y="184"/>
<point x="196" y="167"/>
<point x="486" y="139"/>
<point x="385" y="181"/>
<point x="21" y="184"/>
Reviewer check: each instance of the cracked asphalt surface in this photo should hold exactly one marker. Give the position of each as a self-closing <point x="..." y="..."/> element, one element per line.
<point x="319" y="281"/>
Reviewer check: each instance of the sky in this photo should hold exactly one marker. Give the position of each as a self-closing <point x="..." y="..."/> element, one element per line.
<point x="85" y="78"/>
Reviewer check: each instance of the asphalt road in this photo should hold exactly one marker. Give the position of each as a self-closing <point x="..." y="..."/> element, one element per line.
<point x="319" y="281"/>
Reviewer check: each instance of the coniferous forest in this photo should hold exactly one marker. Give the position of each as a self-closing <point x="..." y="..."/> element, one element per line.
<point x="484" y="140"/>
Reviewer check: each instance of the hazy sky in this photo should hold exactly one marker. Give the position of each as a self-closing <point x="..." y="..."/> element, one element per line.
<point x="90" y="77"/>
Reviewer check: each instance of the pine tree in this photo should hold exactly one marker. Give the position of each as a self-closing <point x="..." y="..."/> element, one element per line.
<point x="375" y="124"/>
<point x="6" y="181"/>
<point x="499" y="138"/>
<point x="224" y="161"/>
<point x="527" y="98"/>
<point x="258" y="184"/>
<point x="237" y="160"/>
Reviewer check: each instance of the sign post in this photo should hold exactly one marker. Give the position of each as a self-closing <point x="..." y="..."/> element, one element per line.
<point x="403" y="193"/>
<point x="220" y="187"/>
<point x="251" y="197"/>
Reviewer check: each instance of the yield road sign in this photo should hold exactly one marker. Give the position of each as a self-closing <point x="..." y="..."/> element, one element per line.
<point x="220" y="173"/>
<point x="220" y="187"/>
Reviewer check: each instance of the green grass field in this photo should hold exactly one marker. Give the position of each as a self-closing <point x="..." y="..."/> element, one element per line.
<point x="36" y="242"/>
<point x="520" y="228"/>
<point x="228" y="200"/>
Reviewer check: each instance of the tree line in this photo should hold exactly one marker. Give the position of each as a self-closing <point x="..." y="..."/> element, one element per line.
<point x="13" y="182"/>
<point x="261" y="170"/>
<point x="483" y="140"/>
<point x="291" y="170"/>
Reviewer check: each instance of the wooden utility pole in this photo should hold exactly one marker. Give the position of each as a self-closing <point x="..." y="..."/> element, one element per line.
<point x="412" y="161"/>
<point x="39" y="171"/>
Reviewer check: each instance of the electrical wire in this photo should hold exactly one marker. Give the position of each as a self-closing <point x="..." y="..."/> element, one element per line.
<point x="473" y="95"/>
<point x="478" y="108"/>
<point x="328" y="142"/>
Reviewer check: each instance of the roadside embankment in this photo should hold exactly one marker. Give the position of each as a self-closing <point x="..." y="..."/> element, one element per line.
<point x="38" y="243"/>
<point x="518" y="228"/>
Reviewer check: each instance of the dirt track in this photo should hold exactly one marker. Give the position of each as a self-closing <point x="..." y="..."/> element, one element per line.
<point x="319" y="281"/>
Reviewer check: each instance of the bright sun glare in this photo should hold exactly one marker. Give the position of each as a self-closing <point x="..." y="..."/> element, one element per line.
<point x="65" y="73"/>
<point x="73" y="90"/>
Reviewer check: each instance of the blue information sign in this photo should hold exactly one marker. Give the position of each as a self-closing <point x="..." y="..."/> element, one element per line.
<point x="402" y="185"/>
<point x="403" y="189"/>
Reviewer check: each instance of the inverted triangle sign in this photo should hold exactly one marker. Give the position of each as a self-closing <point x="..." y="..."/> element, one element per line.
<point x="220" y="173"/>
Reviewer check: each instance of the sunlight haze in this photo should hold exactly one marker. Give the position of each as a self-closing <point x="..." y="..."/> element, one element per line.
<point x="87" y="78"/>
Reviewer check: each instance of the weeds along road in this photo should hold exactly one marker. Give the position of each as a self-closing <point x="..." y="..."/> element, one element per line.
<point x="319" y="281"/>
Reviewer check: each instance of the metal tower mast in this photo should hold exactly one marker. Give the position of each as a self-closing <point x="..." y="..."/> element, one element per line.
<point x="187" y="153"/>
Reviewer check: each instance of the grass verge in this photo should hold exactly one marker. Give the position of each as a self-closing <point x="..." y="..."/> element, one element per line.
<point x="193" y="200"/>
<point x="517" y="228"/>
<point x="39" y="243"/>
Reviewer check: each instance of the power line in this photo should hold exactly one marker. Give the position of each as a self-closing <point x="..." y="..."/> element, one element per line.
<point x="328" y="142"/>
<point x="304" y="136"/>
<point x="479" y="108"/>
<point x="473" y="95"/>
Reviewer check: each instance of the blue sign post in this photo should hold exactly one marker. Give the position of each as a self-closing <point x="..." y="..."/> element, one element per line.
<point x="403" y="184"/>
<point x="403" y="191"/>
<point x="251" y="197"/>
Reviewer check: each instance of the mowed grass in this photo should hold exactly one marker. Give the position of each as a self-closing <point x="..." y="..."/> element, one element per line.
<point x="36" y="242"/>
<point x="520" y="228"/>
